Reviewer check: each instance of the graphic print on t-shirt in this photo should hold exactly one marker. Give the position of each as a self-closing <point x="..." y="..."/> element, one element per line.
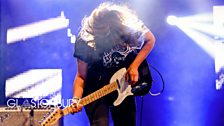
<point x="116" y="55"/>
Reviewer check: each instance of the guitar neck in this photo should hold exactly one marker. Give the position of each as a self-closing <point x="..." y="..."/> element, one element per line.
<point x="94" y="96"/>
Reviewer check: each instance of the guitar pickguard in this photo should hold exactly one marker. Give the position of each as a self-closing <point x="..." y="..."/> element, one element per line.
<point x="124" y="89"/>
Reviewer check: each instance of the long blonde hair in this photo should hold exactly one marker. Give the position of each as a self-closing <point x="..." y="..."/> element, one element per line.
<point x="108" y="24"/>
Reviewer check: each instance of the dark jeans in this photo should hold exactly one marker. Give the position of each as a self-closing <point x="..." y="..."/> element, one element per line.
<point x="122" y="115"/>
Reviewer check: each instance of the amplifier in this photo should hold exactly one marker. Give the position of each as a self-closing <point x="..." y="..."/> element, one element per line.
<point x="19" y="116"/>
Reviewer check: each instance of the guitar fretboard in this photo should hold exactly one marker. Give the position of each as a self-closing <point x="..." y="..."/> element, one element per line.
<point x="94" y="96"/>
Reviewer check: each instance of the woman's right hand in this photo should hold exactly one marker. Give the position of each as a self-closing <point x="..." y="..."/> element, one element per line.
<point x="75" y="107"/>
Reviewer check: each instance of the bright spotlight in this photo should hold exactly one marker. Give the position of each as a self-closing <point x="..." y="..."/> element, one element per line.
<point x="36" y="29"/>
<point x="172" y="20"/>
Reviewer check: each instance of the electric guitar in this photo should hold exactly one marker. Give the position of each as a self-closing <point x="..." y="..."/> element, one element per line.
<point x="117" y="82"/>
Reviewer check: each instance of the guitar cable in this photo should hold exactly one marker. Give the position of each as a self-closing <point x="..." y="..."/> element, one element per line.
<point x="152" y="94"/>
<point x="163" y="82"/>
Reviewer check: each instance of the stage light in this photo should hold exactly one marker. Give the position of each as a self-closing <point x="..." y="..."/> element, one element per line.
<point x="219" y="49"/>
<point x="206" y="28"/>
<point x="172" y="20"/>
<point x="207" y="31"/>
<point x="33" y="83"/>
<point x="36" y="28"/>
<point x="202" y="40"/>
<point x="69" y="32"/>
<point x="202" y="18"/>
<point x="199" y="30"/>
<point x="71" y="36"/>
<point x="202" y="23"/>
<point x="219" y="64"/>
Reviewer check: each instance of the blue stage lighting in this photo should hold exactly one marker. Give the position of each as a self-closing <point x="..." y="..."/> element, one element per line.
<point x="172" y="20"/>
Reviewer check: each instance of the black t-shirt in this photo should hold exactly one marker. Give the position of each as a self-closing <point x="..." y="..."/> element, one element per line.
<point x="102" y="65"/>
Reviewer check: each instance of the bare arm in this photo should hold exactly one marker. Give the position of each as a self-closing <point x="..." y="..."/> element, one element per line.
<point x="149" y="43"/>
<point x="132" y="72"/>
<point x="79" y="79"/>
<point x="79" y="84"/>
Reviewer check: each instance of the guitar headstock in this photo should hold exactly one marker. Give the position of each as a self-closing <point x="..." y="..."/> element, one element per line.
<point x="51" y="117"/>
